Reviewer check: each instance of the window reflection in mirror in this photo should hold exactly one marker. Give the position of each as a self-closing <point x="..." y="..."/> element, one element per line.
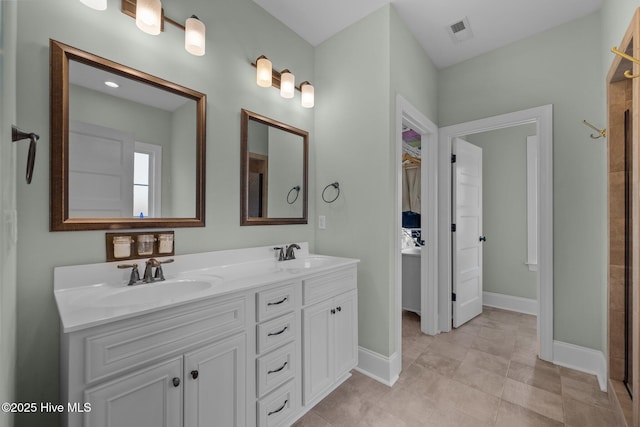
<point x="274" y="172"/>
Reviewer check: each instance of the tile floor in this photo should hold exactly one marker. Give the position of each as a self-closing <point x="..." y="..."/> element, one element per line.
<point x="485" y="373"/>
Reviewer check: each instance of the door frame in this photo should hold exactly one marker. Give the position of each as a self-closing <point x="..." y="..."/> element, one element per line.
<point x="543" y="118"/>
<point x="407" y="113"/>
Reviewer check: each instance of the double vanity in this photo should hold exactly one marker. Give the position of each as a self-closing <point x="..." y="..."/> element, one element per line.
<point x="229" y="338"/>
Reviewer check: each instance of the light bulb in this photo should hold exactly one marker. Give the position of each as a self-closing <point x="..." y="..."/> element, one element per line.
<point x="264" y="73"/>
<point x="287" y="84"/>
<point x="194" y="36"/>
<point x="149" y="16"/>
<point x="307" y="97"/>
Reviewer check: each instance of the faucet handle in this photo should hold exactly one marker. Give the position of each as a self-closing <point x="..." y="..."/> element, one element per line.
<point x="281" y="253"/>
<point x="166" y="261"/>
<point x="135" y="275"/>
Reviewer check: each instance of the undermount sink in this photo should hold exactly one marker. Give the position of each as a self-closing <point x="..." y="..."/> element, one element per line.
<point x="149" y="293"/>
<point x="302" y="263"/>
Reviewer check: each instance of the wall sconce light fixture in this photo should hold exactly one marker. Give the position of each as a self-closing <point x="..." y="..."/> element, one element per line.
<point x="150" y="18"/>
<point x="284" y="80"/>
<point x="287" y="84"/>
<point x="264" y="76"/>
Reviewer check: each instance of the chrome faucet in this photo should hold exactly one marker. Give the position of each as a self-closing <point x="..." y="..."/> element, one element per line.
<point x="149" y="275"/>
<point x="289" y="252"/>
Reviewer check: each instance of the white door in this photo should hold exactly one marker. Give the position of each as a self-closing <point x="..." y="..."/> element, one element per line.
<point x="467" y="238"/>
<point x="318" y="347"/>
<point x="215" y="384"/>
<point x="100" y="171"/>
<point x="346" y="333"/>
<point x="151" y="397"/>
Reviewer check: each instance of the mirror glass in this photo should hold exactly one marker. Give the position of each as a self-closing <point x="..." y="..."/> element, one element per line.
<point x="274" y="171"/>
<point x="127" y="147"/>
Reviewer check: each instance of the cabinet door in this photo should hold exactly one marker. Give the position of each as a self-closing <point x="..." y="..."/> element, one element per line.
<point x="346" y="333"/>
<point x="215" y="384"/>
<point x="318" y="347"/>
<point x="147" y="398"/>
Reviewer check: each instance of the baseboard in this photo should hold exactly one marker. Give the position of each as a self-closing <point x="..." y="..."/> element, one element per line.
<point x="581" y="359"/>
<point x="511" y="303"/>
<point x="381" y="368"/>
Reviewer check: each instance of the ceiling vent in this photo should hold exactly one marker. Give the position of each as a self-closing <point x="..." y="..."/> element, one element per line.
<point x="460" y="30"/>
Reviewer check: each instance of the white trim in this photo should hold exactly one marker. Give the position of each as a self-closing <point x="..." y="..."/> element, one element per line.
<point x="381" y="368"/>
<point x="406" y="113"/>
<point x="543" y="117"/>
<point x="511" y="303"/>
<point x="532" y="202"/>
<point x="581" y="359"/>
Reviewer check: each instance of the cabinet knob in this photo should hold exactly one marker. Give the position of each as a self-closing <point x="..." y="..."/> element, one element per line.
<point x="333" y="311"/>
<point x="339" y="308"/>
<point x="176" y="381"/>
<point x="194" y="375"/>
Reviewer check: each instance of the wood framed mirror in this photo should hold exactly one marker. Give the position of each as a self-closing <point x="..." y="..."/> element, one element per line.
<point x="273" y="171"/>
<point x="127" y="148"/>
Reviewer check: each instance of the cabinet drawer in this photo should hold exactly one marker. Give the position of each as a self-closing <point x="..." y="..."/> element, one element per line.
<point x="273" y="302"/>
<point x="318" y="288"/>
<point x="139" y="343"/>
<point x="275" y="332"/>
<point x="276" y="368"/>
<point x="278" y="406"/>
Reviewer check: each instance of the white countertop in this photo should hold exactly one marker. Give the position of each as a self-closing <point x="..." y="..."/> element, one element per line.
<point x="94" y="294"/>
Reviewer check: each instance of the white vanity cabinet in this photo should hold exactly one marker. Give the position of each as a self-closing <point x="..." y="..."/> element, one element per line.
<point x="186" y="366"/>
<point x="232" y="339"/>
<point x="330" y="331"/>
<point x="278" y="371"/>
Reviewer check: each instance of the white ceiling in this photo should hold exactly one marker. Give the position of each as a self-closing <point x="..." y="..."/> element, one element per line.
<point x="494" y="23"/>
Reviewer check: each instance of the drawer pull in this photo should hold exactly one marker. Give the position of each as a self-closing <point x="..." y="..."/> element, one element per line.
<point x="279" y="409"/>
<point x="279" y="369"/>
<point x="270" y="334"/>
<point x="278" y="302"/>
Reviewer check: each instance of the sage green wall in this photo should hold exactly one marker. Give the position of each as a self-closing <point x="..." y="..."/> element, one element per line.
<point x="504" y="211"/>
<point x="559" y="67"/>
<point x="237" y="32"/>
<point x="413" y="76"/>
<point x="181" y="201"/>
<point x="355" y="122"/>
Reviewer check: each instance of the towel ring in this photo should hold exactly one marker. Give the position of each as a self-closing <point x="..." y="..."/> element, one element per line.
<point x="297" y="188"/>
<point x="335" y="185"/>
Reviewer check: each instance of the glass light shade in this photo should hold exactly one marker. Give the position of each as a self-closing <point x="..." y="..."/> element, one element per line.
<point x="287" y="84"/>
<point x="264" y="73"/>
<point x="95" y="4"/>
<point x="194" y="36"/>
<point x="149" y="16"/>
<point x="307" y="98"/>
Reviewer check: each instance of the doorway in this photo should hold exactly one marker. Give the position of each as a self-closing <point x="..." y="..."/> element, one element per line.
<point x="542" y="117"/>
<point x="409" y="116"/>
